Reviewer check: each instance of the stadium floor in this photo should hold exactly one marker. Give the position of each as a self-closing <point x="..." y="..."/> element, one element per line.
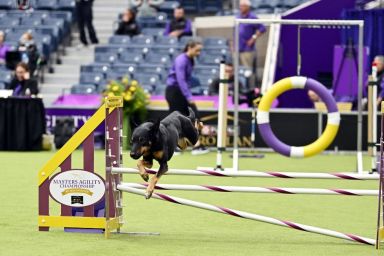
<point x="188" y="231"/>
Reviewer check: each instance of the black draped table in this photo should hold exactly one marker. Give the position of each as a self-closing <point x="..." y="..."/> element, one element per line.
<point x="22" y="123"/>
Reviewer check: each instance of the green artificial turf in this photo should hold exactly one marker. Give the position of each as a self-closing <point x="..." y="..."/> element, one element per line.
<point x="190" y="231"/>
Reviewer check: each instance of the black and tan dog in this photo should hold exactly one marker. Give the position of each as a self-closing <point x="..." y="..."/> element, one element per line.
<point x="158" y="140"/>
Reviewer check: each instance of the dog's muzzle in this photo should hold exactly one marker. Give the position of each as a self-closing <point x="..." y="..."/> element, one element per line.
<point x="135" y="155"/>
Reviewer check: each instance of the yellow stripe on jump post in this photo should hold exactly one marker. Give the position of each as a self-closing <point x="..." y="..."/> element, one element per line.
<point x="77" y="222"/>
<point x="72" y="144"/>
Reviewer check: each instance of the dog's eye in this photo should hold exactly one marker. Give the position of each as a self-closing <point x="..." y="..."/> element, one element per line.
<point x="141" y="140"/>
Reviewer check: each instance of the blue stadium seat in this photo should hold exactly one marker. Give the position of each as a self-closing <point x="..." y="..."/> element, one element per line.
<point x="153" y="22"/>
<point x="155" y="32"/>
<point x="211" y="6"/>
<point x="190" y="6"/>
<point x="10" y="22"/>
<point x="107" y="49"/>
<point x="168" y="7"/>
<point x="46" y="4"/>
<point x="7" y="4"/>
<point x="156" y="58"/>
<point x="147" y="79"/>
<point x="2" y="85"/>
<point x="206" y="70"/>
<point x="42" y="14"/>
<point x="124" y="68"/>
<point x="215" y="41"/>
<point x="142" y="40"/>
<point x="83" y="89"/>
<point x="166" y="40"/>
<point x="145" y="68"/>
<point x="185" y="39"/>
<point x="66" y="15"/>
<point x="113" y="75"/>
<point x="164" y="50"/>
<point x="91" y="78"/>
<point x="119" y="39"/>
<point x="137" y="48"/>
<point x="130" y="57"/>
<point x="66" y="5"/>
<point x="16" y="14"/>
<point x="105" y="57"/>
<point x="209" y="59"/>
<point x="30" y="21"/>
<point x="60" y="23"/>
<point x="14" y="35"/>
<point x="6" y="76"/>
<point x="94" y="68"/>
<point x="216" y="51"/>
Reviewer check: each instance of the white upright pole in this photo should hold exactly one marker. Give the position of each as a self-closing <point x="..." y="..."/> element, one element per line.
<point x="372" y="116"/>
<point x="235" y="165"/>
<point x="222" y="117"/>
<point x="359" y="106"/>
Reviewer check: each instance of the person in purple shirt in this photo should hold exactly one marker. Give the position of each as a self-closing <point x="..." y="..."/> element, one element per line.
<point x="248" y="35"/>
<point x="179" y="26"/>
<point x="177" y="93"/>
<point x="3" y="48"/>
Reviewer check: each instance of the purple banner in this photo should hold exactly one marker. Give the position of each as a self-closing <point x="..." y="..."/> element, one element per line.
<point x="80" y="116"/>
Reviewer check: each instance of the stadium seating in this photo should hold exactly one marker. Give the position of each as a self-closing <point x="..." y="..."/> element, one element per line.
<point x="83" y="89"/>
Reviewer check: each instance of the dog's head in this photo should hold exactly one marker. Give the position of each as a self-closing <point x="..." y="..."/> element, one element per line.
<point x="143" y="138"/>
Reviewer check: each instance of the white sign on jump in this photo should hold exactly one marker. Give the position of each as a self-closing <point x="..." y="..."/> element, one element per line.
<point x="77" y="188"/>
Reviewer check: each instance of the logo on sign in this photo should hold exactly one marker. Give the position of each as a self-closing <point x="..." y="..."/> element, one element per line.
<point x="77" y="188"/>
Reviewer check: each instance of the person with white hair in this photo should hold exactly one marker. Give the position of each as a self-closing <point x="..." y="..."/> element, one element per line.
<point x="248" y="35"/>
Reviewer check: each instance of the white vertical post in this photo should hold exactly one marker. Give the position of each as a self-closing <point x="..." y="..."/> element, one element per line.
<point x="222" y="116"/>
<point x="359" y="106"/>
<point x="374" y="119"/>
<point x="235" y="165"/>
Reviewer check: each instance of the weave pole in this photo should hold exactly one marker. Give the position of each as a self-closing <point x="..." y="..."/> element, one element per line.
<point x="251" y="216"/>
<point x="285" y="175"/>
<point x="290" y="191"/>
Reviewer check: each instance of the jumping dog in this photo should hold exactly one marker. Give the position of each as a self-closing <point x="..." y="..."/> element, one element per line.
<point x="159" y="140"/>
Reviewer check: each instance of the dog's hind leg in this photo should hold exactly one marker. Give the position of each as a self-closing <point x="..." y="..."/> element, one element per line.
<point x="152" y="183"/>
<point x="190" y="130"/>
<point x="182" y="143"/>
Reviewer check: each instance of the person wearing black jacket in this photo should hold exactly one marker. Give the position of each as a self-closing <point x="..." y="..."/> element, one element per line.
<point x="128" y="25"/>
<point x="179" y="26"/>
<point x="84" y="19"/>
<point x="22" y="84"/>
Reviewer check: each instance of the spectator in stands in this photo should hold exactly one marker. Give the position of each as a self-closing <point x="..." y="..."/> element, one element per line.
<point x="245" y="95"/>
<point x="3" y="48"/>
<point x="179" y="26"/>
<point x="85" y="19"/>
<point x="177" y="93"/>
<point x="379" y="61"/>
<point x="146" y="8"/>
<point x="29" y="53"/>
<point x="248" y="35"/>
<point x="22" y="84"/>
<point x="128" y="25"/>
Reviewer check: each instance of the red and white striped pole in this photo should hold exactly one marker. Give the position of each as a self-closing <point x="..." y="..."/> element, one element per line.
<point x="251" y="216"/>
<point x="275" y="190"/>
<point x="246" y="173"/>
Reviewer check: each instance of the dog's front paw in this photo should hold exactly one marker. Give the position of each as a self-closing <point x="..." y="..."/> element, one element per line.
<point x="148" y="194"/>
<point x="145" y="176"/>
